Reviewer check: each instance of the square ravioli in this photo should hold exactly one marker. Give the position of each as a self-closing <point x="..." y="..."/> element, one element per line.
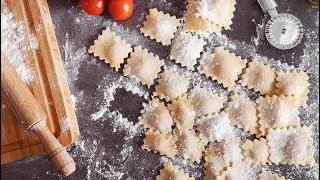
<point x="197" y="24"/>
<point x="110" y="48"/>
<point x="293" y="83"/>
<point x="183" y="113"/>
<point x="171" y="84"/>
<point x="219" y="12"/>
<point x="189" y="145"/>
<point x="277" y="112"/>
<point x="159" y="142"/>
<point x="291" y="146"/>
<point x="205" y="101"/>
<point x="171" y="172"/>
<point x="235" y="172"/>
<point x="156" y="116"/>
<point x="143" y="66"/>
<point x="243" y="113"/>
<point x="221" y="155"/>
<point x="259" y="77"/>
<point x="215" y="127"/>
<point x="223" y="66"/>
<point x="256" y="151"/>
<point x="186" y="49"/>
<point x="160" y="26"/>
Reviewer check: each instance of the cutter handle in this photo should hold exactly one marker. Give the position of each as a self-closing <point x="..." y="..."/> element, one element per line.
<point x="268" y="6"/>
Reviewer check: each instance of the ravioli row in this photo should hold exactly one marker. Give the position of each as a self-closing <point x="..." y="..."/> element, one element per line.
<point x="223" y="66"/>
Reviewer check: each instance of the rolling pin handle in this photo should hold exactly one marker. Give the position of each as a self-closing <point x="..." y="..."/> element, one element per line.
<point x="26" y="108"/>
<point x="58" y="154"/>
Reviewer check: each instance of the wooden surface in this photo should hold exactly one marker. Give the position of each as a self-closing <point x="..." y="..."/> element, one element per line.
<point x="50" y="87"/>
<point x="29" y="112"/>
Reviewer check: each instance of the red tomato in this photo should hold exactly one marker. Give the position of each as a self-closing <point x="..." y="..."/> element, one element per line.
<point x="120" y="9"/>
<point x="93" y="7"/>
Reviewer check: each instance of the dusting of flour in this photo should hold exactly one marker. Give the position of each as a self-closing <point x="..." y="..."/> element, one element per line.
<point x="15" y="44"/>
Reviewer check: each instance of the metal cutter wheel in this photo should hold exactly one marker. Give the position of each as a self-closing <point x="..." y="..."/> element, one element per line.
<point x="283" y="31"/>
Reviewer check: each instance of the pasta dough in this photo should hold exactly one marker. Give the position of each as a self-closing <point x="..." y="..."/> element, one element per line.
<point x="156" y="116"/>
<point x="110" y="48"/>
<point x="256" y="151"/>
<point x="189" y="145"/>
<point x="293" y="83"/>
<point x="291" y="146"/>
<point x="159" y="142"/>
<point x="215" y="162"/>
<point x="186" y="49"/>
<point x="160" y="26"/>
<point x="205" y="101"/>
<point x="222" y="66"/>
<point x="215" y="127"/>
<point x="277" y="112"/>
<point x="182" y="112"/>
<point x="219" y="12"/>
<point x="171" y="85"/>
<point x="259" y="77"/>
<point x="243" y="114"/>
<point x="235" y="172"/>
<point x="171" y="172"/>
<point x="143" y="66"/>
<point x="197" y="24"/>
<point x="229" y="149"/>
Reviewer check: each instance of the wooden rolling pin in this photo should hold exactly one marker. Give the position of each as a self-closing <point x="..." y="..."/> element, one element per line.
<point x="26" y="108"/>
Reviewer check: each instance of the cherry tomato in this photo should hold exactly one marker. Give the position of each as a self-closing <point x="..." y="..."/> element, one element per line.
<point x="120" y="9"/>
<point x="93" y="7"/>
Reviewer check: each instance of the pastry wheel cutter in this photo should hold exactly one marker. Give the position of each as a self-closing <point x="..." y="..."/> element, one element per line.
<point x="283" y="31"/>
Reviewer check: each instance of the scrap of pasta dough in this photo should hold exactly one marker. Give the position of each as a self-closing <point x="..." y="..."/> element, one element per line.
<point x="171" y="172"/>
<point x="259" y="77"/>
<point x="171" y="84"/>
<point x="256" y="151"/>
<point x="291" y="146"/>
<point x="220" y="155"/>
<point x="277" y="112"/>
<point x="183" y="113"/>
<point x="143" y="66"/>
<point x="214" y="165"/>
<point x="189" y="145"/>
<point x="293" y="83"/>
<point x="268" y="175"/>
<point x="186" y="49"/>
<point x="110" y="48"/>
<point x="159" y="142"/>
<point x="223" y="66"/>
<point x="215" y="127"/>
<point x="156" y="116"/>
<point x="160" y="26"/>
<point x="235" y="172"/>
<point x="219" y="12"/>
<point x="197" y="24"/>
<point x="243" y="114"/>
<point x="205" y="101"/>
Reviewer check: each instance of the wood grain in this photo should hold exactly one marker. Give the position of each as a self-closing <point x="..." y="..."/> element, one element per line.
<point x="50" y="87"/>
<point x="27" y="109"/>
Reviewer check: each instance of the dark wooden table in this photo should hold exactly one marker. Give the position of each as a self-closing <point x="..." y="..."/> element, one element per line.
<point x="76" y="31"/>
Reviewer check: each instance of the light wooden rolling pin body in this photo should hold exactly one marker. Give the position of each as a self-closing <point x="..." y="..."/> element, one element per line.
<point x="26" y="108"/>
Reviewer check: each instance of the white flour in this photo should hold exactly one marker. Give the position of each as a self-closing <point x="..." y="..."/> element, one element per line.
<point x="15" y="44"/>
<point x="94" y="150"/>
<point x="121" y="123"/>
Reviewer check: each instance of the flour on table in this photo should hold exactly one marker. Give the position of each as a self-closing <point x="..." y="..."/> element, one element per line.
<point x="15" y="43"/>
